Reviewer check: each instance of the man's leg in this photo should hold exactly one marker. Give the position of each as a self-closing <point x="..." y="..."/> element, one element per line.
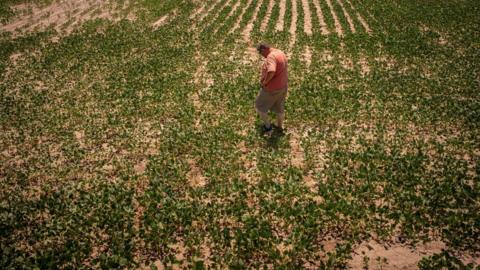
<point x="261" y="107"/>
<point x="279" y="108"/>
<point x="265" y="118"/>
<point x="280" y="119"/>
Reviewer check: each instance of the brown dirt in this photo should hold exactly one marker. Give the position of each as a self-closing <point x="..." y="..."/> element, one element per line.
<point x="347" y="63"/>
<point x="329" y="245"/>
<point x="386" y="60"/>
<point x="309" y="181"/>
<point x="160" y="22"/>
<point x="202" y="80"/>
<point x="251" y="56"/>
<point x="240" y="17"/>
<point x="296" y="150"/>
<point x="195" y="176"/>
<point x="180" y="255"/>
<point x="206" y="252"/>
<point x="284" y="248"/>
<point x="232" y="11"/>
<point x="347" y="16"/>
<point x="63" y="16"/>
<point x="198" y="11"/>
<point x="220" y="9"/>
<point x="80" y="137"/>
<point x="442" y="37"/>
<point x="327" y="57"/>
<point x="14" y="57"/>
<point x="293" y="25"/>
<point x="338" y="26"/>
<point x="320" y="160"/>
<point x="281" y="16"/>
<point x="364" y="67"/>
<point x="293" y="28"/>
<point x="248" y="29"/>
<point x="307" y="56"/>
<point x="396" y="256"/>
<point x="249" y="164"/>
<point x="196" y="102"/>
<point x="321" y="18"/>
<point x="266" y="19"/>
<point x="230" y="14"/>
<point x="307" y="26"/>
<point x="360" y="18"/>
<point x="158" y="264"/>
<point x="208" y="11"/>
<point x="141" y="166"/>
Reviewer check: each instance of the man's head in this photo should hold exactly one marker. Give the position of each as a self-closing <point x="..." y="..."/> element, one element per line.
<point x="263" y="49"/>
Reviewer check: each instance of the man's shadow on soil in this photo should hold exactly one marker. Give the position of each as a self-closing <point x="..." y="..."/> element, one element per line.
<point x="271" y="137"/>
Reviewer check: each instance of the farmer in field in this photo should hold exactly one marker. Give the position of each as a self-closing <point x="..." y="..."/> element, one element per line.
<point x="274" y="85"/>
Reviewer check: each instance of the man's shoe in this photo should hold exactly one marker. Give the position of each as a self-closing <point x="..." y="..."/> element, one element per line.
<point x="278" y="129"/>
<point x="266" y="129"/>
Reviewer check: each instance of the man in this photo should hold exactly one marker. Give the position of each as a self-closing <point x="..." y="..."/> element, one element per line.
<point x="274" y="85"/>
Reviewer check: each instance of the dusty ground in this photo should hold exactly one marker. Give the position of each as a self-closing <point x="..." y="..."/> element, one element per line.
<point x="64" y="16"/>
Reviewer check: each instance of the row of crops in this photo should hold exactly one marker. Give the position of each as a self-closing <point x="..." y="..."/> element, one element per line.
<point x="126" y="146"/>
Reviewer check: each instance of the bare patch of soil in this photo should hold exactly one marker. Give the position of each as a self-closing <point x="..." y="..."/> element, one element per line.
<point x="180" y="252"/>
<point x="347" y="16"/>
<point x="158" y="264"/>
<point x="80" y="136"/>
<point x="329" y="245"/>
<point x="240" y="17"/>
<point x="284" y="248"/>
<point x="396" y="256"/>
<point x="220" y="9"/>
<point x="293" y="25"/>
<point x="309" y="181"/>
<point x="14" y="58"/>
<point x="63" y="16"/>
<point x="364" y="66"/>
<point x="198" y="11"/>
<point x="387" y="61"/>
<point x="248" y="29"/>
<point x="441" y="40"/>
<point x="141" y="166"/>
<point x="164" y="20"/>
<point x="297" y="154"/>
<point x="293" y="29"/>
<point x="307" y="56"/>
<point x="327" y="57"/>
<point x="230" y="14"/>
<point x="338" y="26"/>
<point x="206" y="252"/>
<point x="202" y="81"/>
<point x="347" y="63"/>
<point x="196" y="101"/>
<point x="251" y="56"/>
<point x="160" y="22"/>
<point x="321" y="18"/>
<point x="281" y="17"/>
<point x="195" y="176"/>
<point x="362" y="21"/>
<point x="249" y="164"/>
<point x="208" y="11"/>
<point x="266" y="19"/>
<point x="307" y="27"/>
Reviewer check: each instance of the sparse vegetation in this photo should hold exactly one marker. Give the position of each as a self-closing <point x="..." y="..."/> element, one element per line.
<point x="132" y="141"/>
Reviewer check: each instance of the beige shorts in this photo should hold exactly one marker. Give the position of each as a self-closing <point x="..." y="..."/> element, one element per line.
<point x="274" y="101"/>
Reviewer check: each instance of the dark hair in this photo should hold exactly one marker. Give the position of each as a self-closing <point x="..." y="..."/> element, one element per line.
<point x="262" y="46"/>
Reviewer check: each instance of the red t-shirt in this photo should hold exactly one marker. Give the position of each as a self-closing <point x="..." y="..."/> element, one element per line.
<point x="276" y="61"/>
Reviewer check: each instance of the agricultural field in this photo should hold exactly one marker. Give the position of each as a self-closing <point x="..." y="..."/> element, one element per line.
<point x="129" y="138"/>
